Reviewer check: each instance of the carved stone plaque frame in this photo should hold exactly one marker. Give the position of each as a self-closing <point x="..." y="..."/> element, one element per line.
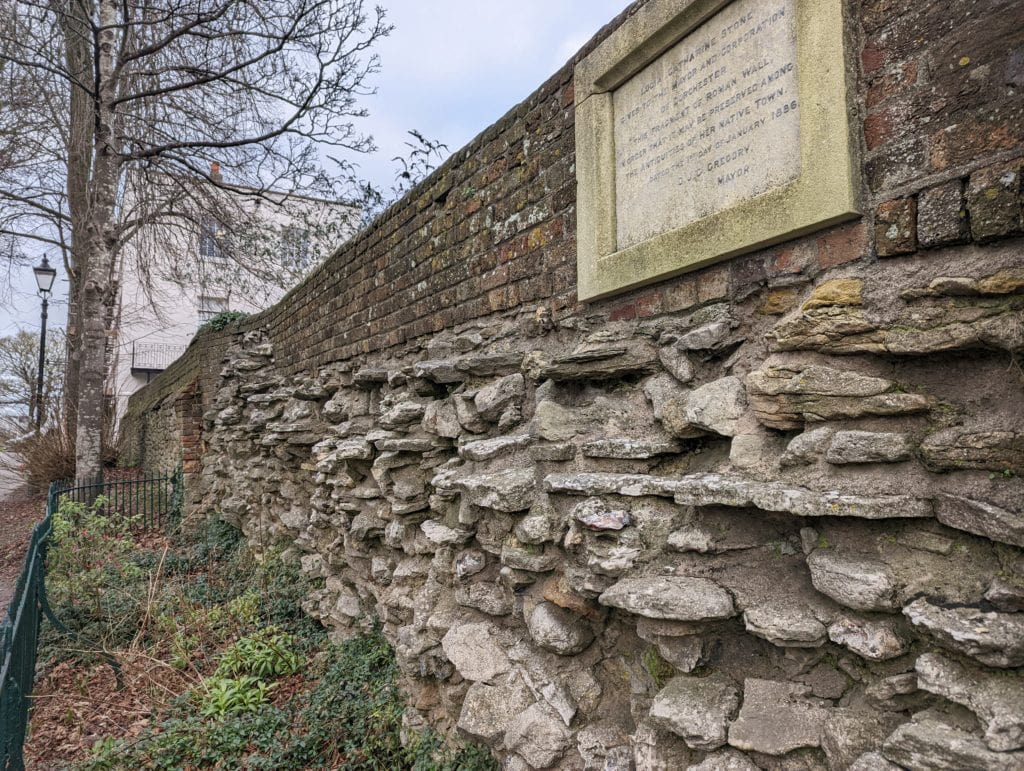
<point x="824" y="192"/>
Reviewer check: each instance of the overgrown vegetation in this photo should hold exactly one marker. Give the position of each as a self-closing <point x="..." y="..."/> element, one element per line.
<point x="227" y="671"/>
<point x="221" y="320"/>
<point x="39" y="459"/>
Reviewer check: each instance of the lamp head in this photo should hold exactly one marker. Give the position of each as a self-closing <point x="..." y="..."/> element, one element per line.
<point x="45" y="274"/>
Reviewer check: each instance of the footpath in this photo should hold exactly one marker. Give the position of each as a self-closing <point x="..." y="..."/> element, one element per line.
<point x="19" y="513"/>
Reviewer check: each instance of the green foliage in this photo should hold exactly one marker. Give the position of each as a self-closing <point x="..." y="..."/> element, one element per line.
<point x="350" y="718"/>
<point x="91" y="572"/>
<point x="659" y="669"/>
<point x="222" y="320"/>
<point x="220" y="610"/>
<point x="268" y="653"/>
<point x="221" y="695"/>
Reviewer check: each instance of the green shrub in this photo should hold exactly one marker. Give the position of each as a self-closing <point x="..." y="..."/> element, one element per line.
<point x="215" y="604"/>
<point x="221" y="695"/>
<point x="91" y="575"/>
<point x="222" y="320"/>
<point x="268" y="653"/>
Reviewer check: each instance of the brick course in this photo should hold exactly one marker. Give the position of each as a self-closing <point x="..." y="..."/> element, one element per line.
<point x="493" y="229"/>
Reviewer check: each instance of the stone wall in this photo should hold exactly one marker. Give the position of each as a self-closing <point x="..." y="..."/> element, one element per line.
<point x="763" y="515"/>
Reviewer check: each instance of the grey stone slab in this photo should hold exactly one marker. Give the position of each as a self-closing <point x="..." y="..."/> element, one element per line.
<point x="777" y="718"/>
<point x="875" y="640"/>
<point x="856" y="582"/>
<point x="474" y="652"/>
<point x="683" y="599"/>
<point x="995" y="639"/>
<point x="697" y="709"/>
<point x="628" y="448"/>
<point x="932" y="744"/>
<point x="981" y="518"/>
<point x="488" y="710"/>
<point x="997" y="698"/>
<point x="869" y="447"/>
<point x="538" y="735"/>
<point x="558" y="630"/>
<point x="595" y="514"/>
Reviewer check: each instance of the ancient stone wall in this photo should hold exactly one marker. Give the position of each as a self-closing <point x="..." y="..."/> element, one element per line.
<point x="763" y="515"/>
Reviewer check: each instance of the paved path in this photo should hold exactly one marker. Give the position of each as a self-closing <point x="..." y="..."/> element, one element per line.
<point x="10" y="482"/>
<point x="19" y="513"/>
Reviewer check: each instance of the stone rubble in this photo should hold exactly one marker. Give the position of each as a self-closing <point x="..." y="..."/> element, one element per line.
<point x="651" y="544"/>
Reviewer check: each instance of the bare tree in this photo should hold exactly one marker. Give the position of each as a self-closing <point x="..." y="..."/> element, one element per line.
<point x="19" y="381"/>
<point x="141" y="98"/>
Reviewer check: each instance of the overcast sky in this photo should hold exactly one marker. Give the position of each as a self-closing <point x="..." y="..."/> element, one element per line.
<point x="449" y="69"/>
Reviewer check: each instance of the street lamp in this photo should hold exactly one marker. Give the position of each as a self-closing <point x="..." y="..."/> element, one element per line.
<point x="44" y="278"/>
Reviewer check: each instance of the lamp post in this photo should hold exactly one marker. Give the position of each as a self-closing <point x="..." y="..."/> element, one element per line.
<point x="44" y="278"/>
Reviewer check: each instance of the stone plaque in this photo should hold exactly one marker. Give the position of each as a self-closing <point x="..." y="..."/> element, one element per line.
<point x="710" y="122"/>
<point x="707" y="128"/>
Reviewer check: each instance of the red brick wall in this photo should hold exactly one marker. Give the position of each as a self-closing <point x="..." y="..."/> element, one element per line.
<point x="940" y="99"/>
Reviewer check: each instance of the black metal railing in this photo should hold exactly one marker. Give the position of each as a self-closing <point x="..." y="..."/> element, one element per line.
<point x="154" y="357"/>
<point x="19" y="636"/>
<point x="149" y="502"/>
<point x="152" y="502"/>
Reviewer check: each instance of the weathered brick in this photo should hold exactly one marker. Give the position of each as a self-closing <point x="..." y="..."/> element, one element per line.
<point x="841" y="245"/>
<point x="649" y="304"/>
<point x="1000" y="128"/>
<point x="896" y="80"/>
<point x="994" y="201"/>
<point x="713" y="283"/>
<point x="896" y="227"/>
<point x="942" y="215"/>
<point x="680" y="294"/>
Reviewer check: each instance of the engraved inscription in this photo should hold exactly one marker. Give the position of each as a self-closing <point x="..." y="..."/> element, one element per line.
<point x="712" y="122"/>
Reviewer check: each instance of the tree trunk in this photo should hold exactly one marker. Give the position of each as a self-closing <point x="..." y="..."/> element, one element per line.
<point x="81" y="114"/>
<point x="97" y="292"/>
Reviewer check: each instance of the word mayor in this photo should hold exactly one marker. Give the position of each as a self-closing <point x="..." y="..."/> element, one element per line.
<point x="695" y="117"/>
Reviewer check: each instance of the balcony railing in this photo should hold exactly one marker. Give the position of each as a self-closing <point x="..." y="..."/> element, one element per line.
<point x="153" y="357"/>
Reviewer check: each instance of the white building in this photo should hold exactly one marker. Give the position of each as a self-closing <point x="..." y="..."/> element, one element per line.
<point x="178" y="274"/>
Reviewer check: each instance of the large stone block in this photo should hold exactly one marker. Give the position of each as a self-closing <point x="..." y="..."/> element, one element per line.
<point x="981" y="518"/>
<point x="697" y="709"/>
<point x="777" y="718"/>
<point x="930" y="744"/>
<point x="474" y="652"/>
<point x="995" y="639"/>
<point x="996" y="698"/>
<point x="683" y="599"/>
<point x="869" y="447"/>
<point x="786" y="397"/>
<point x="853" y="581"/>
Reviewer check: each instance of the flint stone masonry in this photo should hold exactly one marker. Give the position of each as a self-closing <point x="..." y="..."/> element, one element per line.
<point x="934" y="744"/>
<point x="775" y="500"/>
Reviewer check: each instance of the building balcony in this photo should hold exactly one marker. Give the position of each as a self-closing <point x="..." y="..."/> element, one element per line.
<point x="149" y="358"/>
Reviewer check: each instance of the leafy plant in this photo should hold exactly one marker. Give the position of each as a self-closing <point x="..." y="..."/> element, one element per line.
<point x="219" y="609"/>
<point x="232" y="695"/>
<point x="90" y="569"/>
<point x="265" y="654"/>
<point x="222" y="320"/>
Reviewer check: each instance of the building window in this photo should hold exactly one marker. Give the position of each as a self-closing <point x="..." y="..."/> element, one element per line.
<point x="295" y="250"/>
<point x="210" y="307"/>
<point x="210" y="249"/>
